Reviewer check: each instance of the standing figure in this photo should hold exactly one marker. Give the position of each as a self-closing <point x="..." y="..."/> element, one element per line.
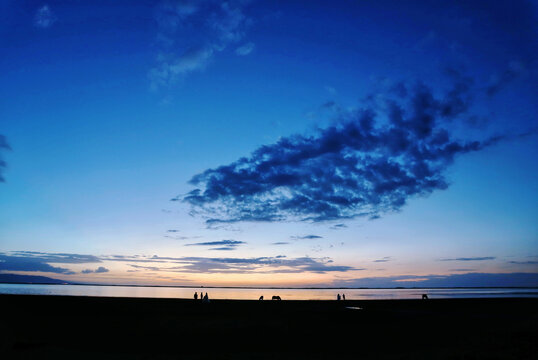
<point x="195" y="295"/>
<point x="343" y="296"/>
<point x="338" y="297"/>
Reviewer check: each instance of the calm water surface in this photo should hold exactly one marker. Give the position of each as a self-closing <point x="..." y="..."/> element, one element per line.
<point x="254" y="294"/>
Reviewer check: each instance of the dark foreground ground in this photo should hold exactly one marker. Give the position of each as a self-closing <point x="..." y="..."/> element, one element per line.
<point x="43" y="327"/>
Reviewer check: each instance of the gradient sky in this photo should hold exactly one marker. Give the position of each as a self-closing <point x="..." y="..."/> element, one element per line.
<point x="259" y="142"/>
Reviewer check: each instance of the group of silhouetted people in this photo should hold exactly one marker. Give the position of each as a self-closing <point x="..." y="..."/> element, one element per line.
<point x="204" y="298"/>
<point x="338" y="297"/>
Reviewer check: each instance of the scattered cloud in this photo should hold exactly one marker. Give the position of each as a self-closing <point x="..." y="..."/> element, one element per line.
<point x="385" y="259"/>
<point x="4" y="146"/>
<point x="524" y="262"/>
<point x="280" y="243"/>
<point x="172" y="231"/>
<point x="306" y="237"/>
<point x="499" y="81"/>
<point x="370" y="162"/>
<point x="338" y="226"/>
<point x="99" y="270"/>
<point x="44" y="17"/>
<point x="481" y="258"/>
<point x="182" y="50"/>
<point x="231" y="265"/>
<point x="245" y="49"/>
<point x="223" y="244"/>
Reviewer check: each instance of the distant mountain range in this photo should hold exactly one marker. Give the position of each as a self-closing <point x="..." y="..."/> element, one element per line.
<point x="29" y="279"/>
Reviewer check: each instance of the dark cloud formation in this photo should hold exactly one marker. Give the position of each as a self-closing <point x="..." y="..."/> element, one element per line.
<point x="452" y="280"/>
<point x="40" y="261"/>
<point x="99" y="270"/>
<point x="4" y="146"/>
<point x="29" y="263"/>
<point x="306" y="237"/>
<point x="372" y="161"/>
<point x="481" y="258"/>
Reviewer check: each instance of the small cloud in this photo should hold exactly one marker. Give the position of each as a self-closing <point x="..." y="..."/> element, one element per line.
<point x="245" y="49"/>
<point x="306" y="237"/>
<point x="524" y="262"/>
<point x="99" y="270"/>
<point x="385" y="259"/>
<point x="172" y="231"/>
<point x="338" y="226"/>
<point x="330" y="90"/>
<point x="280" y="243"/>
<point x="221" y="242"/>
<point x="482" y="258"/>
<point x="44" y="17"/>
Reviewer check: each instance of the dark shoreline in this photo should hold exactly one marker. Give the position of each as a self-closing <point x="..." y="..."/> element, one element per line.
<point x="49" y="326"/>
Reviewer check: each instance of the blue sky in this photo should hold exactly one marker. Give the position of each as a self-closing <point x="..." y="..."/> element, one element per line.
<point x="268" y="143"/>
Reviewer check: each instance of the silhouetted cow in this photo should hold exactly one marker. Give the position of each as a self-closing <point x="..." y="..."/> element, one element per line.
<point x="276" y="297"/>
<point x="424" y="296"/>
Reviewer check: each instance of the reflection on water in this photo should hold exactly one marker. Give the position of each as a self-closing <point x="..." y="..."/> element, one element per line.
<point x="254" y="294"/>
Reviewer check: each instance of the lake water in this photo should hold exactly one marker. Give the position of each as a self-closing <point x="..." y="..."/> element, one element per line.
<point x="254" y="294"/>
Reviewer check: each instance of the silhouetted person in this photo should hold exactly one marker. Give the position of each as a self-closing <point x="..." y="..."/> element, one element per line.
<point x="343" y="296"/>
<point x="338" y="297"/>
<point x="195" y="296"/>
<point x="276" y="297"/>
<point x="424" y="296"/>
<point x="261" y="298"/>
<point x="206" y="298"/>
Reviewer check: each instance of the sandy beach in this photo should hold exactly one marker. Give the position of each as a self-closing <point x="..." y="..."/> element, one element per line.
<point x="140" y="328"/>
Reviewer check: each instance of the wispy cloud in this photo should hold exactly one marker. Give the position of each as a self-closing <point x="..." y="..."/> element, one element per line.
<point x="182" y="50"/>
<point x="385" y="259"/>
<point x="44" y="17"/>
<point x="530" y="262"/>
<point x="372" y="161"/>
<point x="480" y="258"/>
<point x="246" y="49"/>
<point x="338" y="226"/>
<point x="280" y="243"/>
<point x="4" y="146"/>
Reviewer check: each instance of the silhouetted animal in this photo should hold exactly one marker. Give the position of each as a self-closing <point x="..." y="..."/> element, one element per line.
<point x="261" y="298"/>
<point x="424" y="296"/>
<point x="276" y="297"/>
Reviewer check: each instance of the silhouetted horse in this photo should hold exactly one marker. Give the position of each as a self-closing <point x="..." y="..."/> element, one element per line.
<point x="261" y="298"/>
<point x="276" y="297"/>
<point x="424" y="296"/>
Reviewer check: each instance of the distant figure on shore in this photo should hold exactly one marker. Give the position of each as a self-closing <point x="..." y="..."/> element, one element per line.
<point x="261" y="298"/>
<point x="338" y="297"/>
<point x="424" y="296"/>
<point x="276" y="297"/>
<point x="195" y="296"/>
<point x="205" y="299"/>
<point x="343" y="296"/>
